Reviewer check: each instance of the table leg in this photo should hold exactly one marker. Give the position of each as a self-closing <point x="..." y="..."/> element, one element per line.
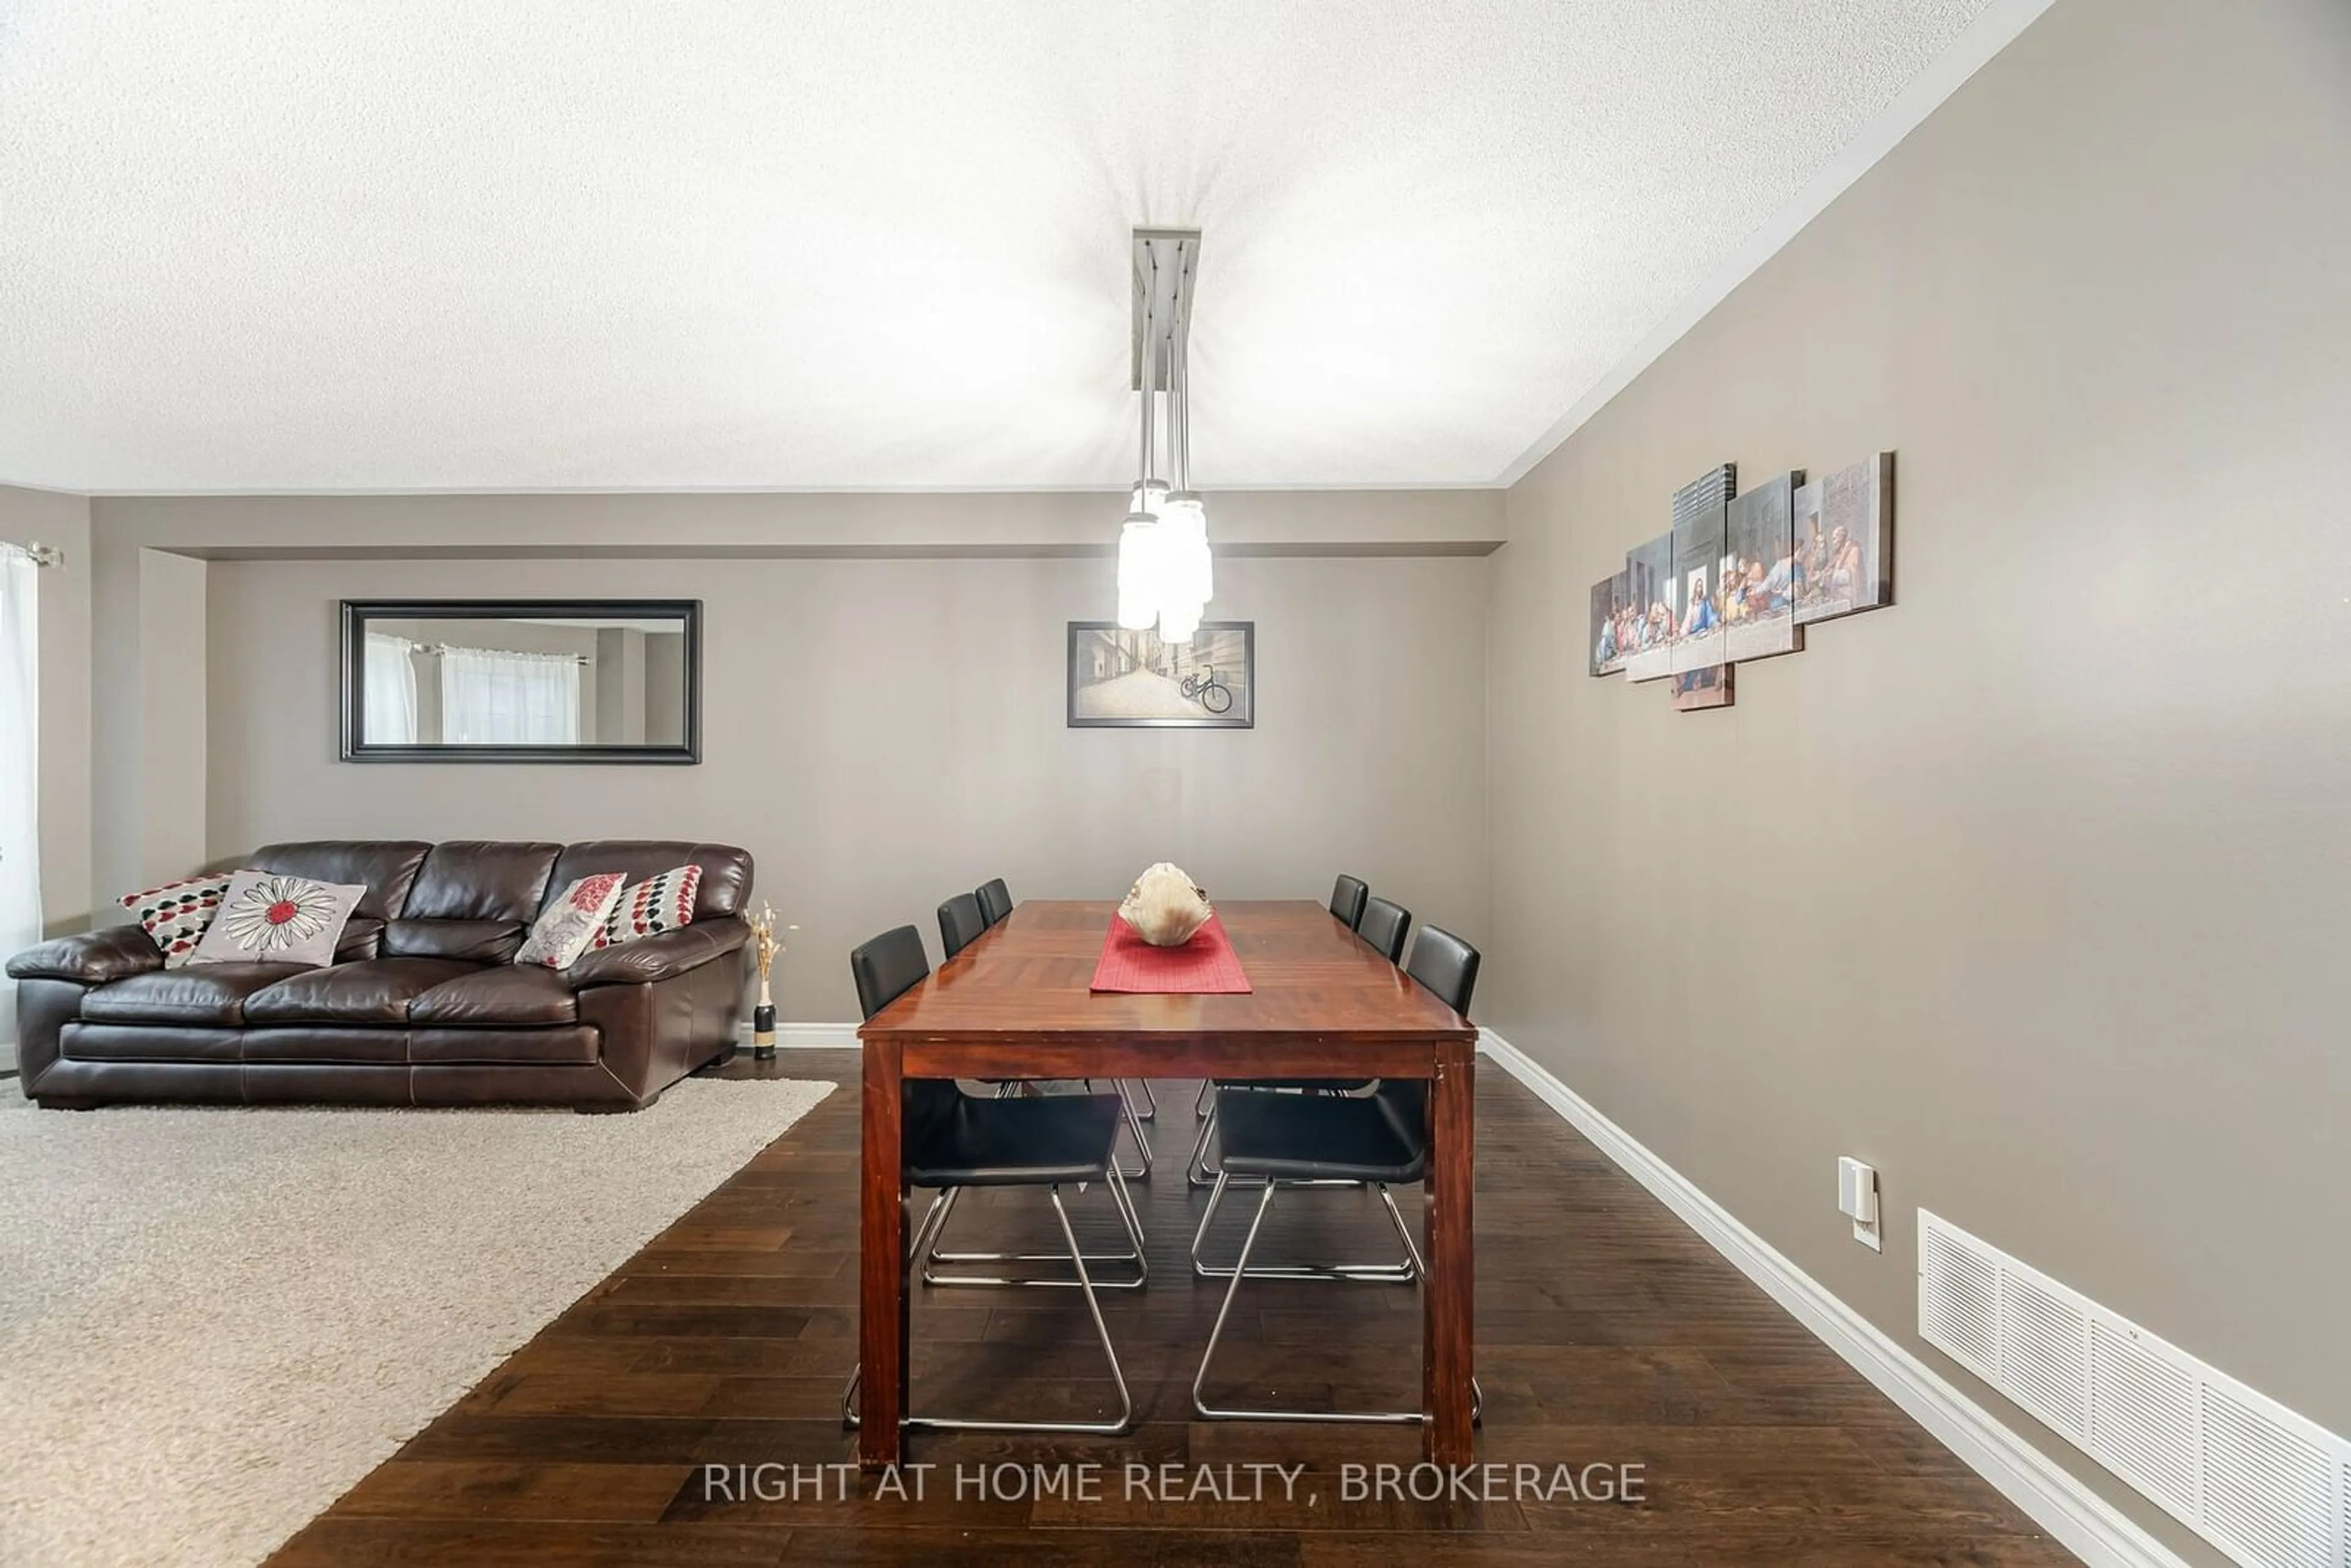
<point x="1447" y="1305"/>
<point x="882" y="1307"/>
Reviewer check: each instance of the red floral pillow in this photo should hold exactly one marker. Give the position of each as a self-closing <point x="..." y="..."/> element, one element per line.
<point x="568" y="926"/>
<point x="174" y="915"/>
<point x="658" y="903"/>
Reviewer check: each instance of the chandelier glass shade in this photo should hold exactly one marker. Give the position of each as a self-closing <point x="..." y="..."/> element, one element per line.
<point x="1138" y="572"/>
<point x="1165" y="575"/>
<point x="1188" y="577"/>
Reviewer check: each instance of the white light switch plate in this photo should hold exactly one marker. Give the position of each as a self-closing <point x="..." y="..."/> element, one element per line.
<point x="1857" y="1198"/>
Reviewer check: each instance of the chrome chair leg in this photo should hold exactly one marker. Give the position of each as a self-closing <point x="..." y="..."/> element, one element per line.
<point x="1403" y="1273"/>
<point x="1129" y="1218"/>
<point x="1077" y="1260"/>
<point x="1241" y="1269"/>
<point x="1150" y="1100"/>
<point x="1202" y="1100"/>
<point x="1134" y="1129"/>
<point x="1420" y="1272"/>
<point x="1195" y="1169"/>
<point x="1404" y="1232"/>
<point x="1200" y="1379"/>
<point x="1125" y="1419"/>
<point x="924" y="1234"/>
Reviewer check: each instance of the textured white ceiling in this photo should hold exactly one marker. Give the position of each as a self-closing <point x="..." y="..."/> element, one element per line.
<point x="281" y="245"/>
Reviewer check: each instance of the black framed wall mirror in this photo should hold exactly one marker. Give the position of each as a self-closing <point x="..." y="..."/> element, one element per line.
<point x="522" y="680"/>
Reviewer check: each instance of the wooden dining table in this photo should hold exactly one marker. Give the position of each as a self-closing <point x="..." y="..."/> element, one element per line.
<point x="1016" y="1003"/>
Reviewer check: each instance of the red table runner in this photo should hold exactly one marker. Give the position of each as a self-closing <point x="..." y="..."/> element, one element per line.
<point x="1204" y="963"/>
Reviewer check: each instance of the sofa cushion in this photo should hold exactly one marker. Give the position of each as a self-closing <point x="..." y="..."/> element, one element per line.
<point x="483" y="941"/>
<point x="385" y="868"/>
<point x="199" y="994"/>
<point x="472" y="899"/>
<point x="467" y="879"/>
<point x="361" y="938"/>
<point x="375" y="991"/>
<point x="522" y="994"/>
<point x="726" y="870"/>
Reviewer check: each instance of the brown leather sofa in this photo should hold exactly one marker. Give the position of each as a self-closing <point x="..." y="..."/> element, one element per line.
<point x="422" y="1005"/>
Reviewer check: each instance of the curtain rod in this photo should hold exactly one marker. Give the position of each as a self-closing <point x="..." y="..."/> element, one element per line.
<point x="437" y="649"/>
<point x="36" y="552"/>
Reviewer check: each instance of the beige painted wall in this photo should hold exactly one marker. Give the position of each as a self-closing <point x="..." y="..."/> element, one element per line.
<point x="2031" y="889"/>
<point x="169" y="776"/>
<point x="26" y="516"/>
<point x="148" y="724"/>
<point x="883" y="732"/>
<point x="152" y="557"/>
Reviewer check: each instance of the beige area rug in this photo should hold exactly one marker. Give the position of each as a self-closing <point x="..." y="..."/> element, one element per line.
<point x="213" y="1323"/>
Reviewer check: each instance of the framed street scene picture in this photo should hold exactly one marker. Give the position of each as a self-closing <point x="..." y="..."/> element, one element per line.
<point x="1121" y="679"/>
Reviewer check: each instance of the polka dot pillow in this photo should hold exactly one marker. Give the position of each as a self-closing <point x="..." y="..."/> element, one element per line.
<point x="648" y="908"/>
<point x="174" y="915"/>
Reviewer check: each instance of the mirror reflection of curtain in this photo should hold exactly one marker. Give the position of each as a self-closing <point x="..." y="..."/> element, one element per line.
<point x="389" y="702"/>
<point x="490" y="697"/>
<point x="20" y="847"/>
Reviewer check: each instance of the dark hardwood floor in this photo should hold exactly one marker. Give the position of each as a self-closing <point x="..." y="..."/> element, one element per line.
<point x="1608" y="1335"/>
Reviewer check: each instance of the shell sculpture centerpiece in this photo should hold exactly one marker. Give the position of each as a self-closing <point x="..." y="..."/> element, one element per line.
<point x="1164" y="907"/>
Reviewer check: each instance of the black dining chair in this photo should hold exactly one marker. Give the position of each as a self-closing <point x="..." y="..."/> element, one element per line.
<point x="960" y="923"/>
<point x="1347" y="895"/>
<point x="1382" y="927"/>
<point x="1383" y="930"/>
<point x="1292" y="1140"/>
<point x="953" y="1141"/>
<point x="995" y="903"/>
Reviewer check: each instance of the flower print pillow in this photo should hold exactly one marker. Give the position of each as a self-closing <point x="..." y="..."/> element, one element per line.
<point x="268" y="918"/>
<point x="565" y="929"/>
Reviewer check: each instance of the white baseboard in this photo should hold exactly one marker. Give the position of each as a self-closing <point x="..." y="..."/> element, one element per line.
<point x="809" y="1036"/>
<point x="2085" y="1522"/>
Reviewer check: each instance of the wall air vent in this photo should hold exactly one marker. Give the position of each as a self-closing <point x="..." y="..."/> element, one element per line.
<point x="1959" y="1299"/>
<point x="2145" y="1429"/>
<point x="2268" y="1486"/>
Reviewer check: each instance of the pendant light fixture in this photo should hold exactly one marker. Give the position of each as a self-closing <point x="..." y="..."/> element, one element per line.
<point x="1165" y="574"/>
<point x="1139" y="550"/>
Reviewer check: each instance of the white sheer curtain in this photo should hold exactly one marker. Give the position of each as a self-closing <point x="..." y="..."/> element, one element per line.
<point x="490" y="697"/>
<point x="389" y="702"/>
<point x="20" y="846"/>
